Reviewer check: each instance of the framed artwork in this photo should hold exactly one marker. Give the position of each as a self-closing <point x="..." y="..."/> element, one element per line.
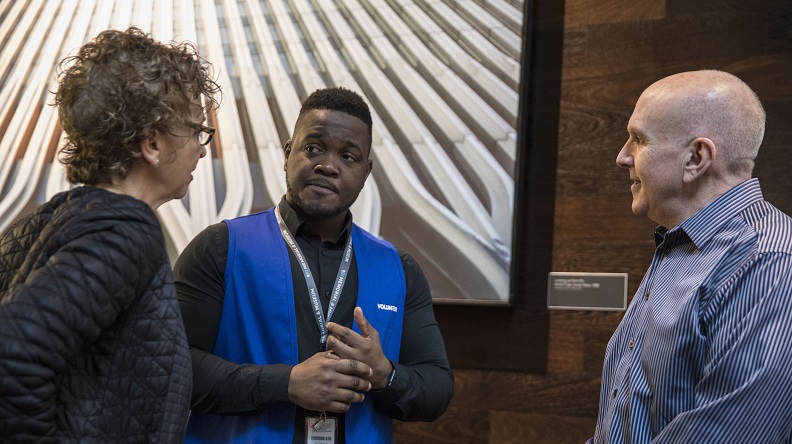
<point x="442" y="78"/>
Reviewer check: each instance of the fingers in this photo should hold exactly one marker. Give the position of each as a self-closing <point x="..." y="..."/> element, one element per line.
<point x="345" y="335"/>
<point x="338" y="407"/>
<point x="344" y="402"/>
<point x="335" y="399"/>
<point x="353" y="368"/>
<point x="327" y="382"/>
<point x="339" y="347"/>
<point x="355" y="373"/>
<point x="350" y="337"/>
<point x="353" y="348"/>
<point x="346" y="385"/>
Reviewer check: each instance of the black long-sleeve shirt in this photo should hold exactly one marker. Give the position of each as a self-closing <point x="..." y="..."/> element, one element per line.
<point x="423" y="382"/>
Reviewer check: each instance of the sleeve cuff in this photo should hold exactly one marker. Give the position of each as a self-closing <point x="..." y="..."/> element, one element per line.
<point x="390" y="379"/>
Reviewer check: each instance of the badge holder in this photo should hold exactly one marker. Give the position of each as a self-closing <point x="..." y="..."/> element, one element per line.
<point x="321" y="429"/>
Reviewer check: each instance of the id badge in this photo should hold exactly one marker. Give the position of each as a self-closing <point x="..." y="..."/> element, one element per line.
<point x="320" y="430"/>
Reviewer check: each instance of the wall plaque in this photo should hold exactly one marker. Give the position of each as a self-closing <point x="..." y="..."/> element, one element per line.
<point x="587" y="291"/>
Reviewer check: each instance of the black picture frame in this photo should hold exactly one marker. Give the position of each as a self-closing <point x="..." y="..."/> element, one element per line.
<point x="515" y="337"/>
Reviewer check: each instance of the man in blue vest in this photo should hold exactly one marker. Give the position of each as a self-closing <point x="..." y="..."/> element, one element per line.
<point x="304" y="327"/>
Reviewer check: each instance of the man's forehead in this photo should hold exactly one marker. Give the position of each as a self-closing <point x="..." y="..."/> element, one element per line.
<point x="325" y="120"/>
<point x="327" y="114"/>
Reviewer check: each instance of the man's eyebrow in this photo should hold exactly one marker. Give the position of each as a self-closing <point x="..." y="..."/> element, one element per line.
<point x="631" y="130"/>
<point x="352" y="143"/>
<point x="315" y="134"/>
<point x="348" y="142"/>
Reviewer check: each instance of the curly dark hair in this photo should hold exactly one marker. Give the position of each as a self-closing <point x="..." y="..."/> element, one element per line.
<point x="338" y="98"/>
<point x="120" y="89"/>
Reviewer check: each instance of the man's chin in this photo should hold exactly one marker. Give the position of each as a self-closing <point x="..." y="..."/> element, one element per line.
<point x="318" y="209"/>
<point x="638" y="209"/>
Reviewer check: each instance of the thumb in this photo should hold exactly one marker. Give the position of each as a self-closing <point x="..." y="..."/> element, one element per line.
<point x="366" y="330"/>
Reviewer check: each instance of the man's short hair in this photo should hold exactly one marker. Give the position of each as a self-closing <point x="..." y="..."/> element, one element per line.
<point x="339" y="99"/>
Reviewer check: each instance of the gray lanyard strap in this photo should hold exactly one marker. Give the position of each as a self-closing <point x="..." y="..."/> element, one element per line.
<point x="313" y="292"/>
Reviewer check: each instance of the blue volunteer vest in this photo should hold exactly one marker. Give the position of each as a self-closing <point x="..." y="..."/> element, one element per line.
<point x="258" y="326"/>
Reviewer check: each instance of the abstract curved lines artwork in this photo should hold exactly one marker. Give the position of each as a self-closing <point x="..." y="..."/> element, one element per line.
<point x="442" y="78"/>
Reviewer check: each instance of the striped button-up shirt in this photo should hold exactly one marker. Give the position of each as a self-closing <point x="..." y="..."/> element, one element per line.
<point x="704" y="352"/>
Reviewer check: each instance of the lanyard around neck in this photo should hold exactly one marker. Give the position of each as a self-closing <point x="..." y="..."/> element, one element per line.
<point x="313" y="292"/>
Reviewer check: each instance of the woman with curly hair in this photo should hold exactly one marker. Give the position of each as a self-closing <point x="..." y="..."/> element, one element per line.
<point x="92" y="344"/>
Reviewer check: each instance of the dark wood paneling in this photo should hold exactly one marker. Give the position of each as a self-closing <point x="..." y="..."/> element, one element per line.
<point x="612" y="50"/>
<point x="460" y="426"/>
<point x="779" y="33"/>
<point x="685" y="8"/>
<point x="586" y="12"/>
<point x="577" y="344"/>
<point x="502" y="338"/>
<point x="497" y="407"/>
<point x="550" y="394"/>
<point x="521" y="428"/>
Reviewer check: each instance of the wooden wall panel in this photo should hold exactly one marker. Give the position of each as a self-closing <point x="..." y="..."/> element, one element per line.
<point x="612" y="50"/>
<point x="585" y="12"/>
<point x="521" y="428"/>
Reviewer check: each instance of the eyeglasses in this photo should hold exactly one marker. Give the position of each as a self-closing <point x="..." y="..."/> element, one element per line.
<point x="205" y="134"/>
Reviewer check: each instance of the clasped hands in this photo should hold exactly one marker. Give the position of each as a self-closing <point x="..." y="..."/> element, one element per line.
<point x="334" y="379"/>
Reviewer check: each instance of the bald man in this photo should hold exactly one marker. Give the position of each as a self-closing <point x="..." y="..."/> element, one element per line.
<point x="704" y="352"/>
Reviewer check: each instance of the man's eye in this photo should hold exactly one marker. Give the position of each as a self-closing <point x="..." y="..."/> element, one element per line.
<point x="348" y="157"/>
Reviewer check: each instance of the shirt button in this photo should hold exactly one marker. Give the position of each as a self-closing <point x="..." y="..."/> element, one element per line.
<point x="631" y="345"/>
<point x="327" y="294"/>
<point x="615" y="391"/>
<point x="646" y="298"/>
<point x="324" y="252"/>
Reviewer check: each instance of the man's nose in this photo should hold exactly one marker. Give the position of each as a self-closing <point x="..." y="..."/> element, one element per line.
<point x="326" y="167"/>
<point x="623" y="159"/>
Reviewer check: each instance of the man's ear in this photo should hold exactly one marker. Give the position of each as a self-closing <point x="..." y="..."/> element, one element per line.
<point x="286" y="152"/>
<point x="700" y="157"/>
<point x="150" y="150"/>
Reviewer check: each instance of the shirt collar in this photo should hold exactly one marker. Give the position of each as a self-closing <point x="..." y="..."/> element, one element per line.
<point x="297" y="224"/>
<point x="705" y="223"/>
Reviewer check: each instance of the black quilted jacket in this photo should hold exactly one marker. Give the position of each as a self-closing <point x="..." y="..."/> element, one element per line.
<point x="92" y="345"/>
